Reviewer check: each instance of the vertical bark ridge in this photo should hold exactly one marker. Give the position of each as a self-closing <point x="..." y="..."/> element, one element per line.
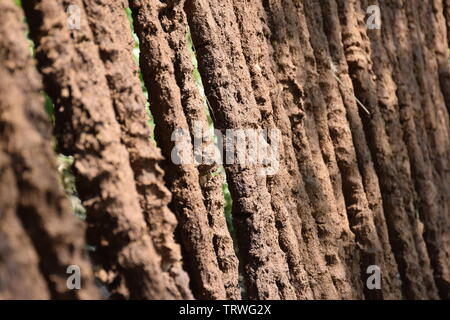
<point x="210" y="177"/>
<point x="365" y="163"/>
<point x="373" y="250"/>
<point x="303" y="224"/>
<point x="447" y="20"/>
<point x="43" y="209"/>
<point x="388" y="104"/>
<point x="20" y="277"/>
<point x="307" y="23"/>
<point x="279" y="185"/>
<point x="439" y="33"/>
<point x="165" y="99"/>
<point x="290" y="59"/>
<point x="112" y="33"/>
<point x="228" y="88"/>
<point x="86" y="128"/>
<point x="412" y="257"/>
<point x="314" y="102"/>
<point x="413" y="128"/>
<point x="436" y="120"/>
<point x="435" y="150"/>
<point x="434" y="41"/>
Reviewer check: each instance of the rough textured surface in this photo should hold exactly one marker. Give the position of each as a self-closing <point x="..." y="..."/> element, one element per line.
<point x="20" y="277"/>
<point x="438" y="34"/>
<point x="86" y="128"/>
<point x="210" y="176"/>
<point x="431" y="150"/>
<point x="228" y="87"/>
<point x="183" y="180"/>
<point x="257" y="55"/>
<point x="365" y="163"/>
<point x="333" y="236"/>
<point x="373" y="250"/>
<point x="363" y="174"/>
<point x="43" y="210"/>
<point x="112" y="33"/>
<point x="319" y="279"/>
<point x="409" y="247"/>
<point x="447" y="20"/>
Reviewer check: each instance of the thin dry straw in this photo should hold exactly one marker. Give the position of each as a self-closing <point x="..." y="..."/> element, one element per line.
<point x="334" y="69"/>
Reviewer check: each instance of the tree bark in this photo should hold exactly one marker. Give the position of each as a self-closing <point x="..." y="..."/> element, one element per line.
<point x="409" y="247"/>
<point x="74" y="77"/>
<point x="20" y="277"/>
<point x="112" y="33"/>
<point x="165" y="100"/>
<point x="228" y="88"/>
<point x="374" y="250"/>
<point x="43" y="209"/>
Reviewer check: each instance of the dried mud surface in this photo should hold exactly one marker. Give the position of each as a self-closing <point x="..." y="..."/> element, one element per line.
<point x="363" y="173"/>
<point x="109" y="24"/>
<point x="87" y="129"/>
<point x="42" y="209"/>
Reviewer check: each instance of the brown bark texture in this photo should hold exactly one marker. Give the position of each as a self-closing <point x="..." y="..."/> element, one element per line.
<point x="38" y="211"/>
<point x="351" y="97"/>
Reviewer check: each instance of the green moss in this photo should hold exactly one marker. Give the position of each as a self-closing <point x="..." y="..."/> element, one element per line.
<point x="49" y="107"/>
<point x="228" y="207"/>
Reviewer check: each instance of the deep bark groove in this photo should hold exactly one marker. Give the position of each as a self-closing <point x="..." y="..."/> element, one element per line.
<point x="409" y="247"/>
<point x="112" y="33"/>
<point x="165" y="99"/>
<point x="227" y="83"/>
<point x="42" y="208"/>
<point x="334" y="141"/>
<point x="373" y="250"/>
<point x="86" y="128"/>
